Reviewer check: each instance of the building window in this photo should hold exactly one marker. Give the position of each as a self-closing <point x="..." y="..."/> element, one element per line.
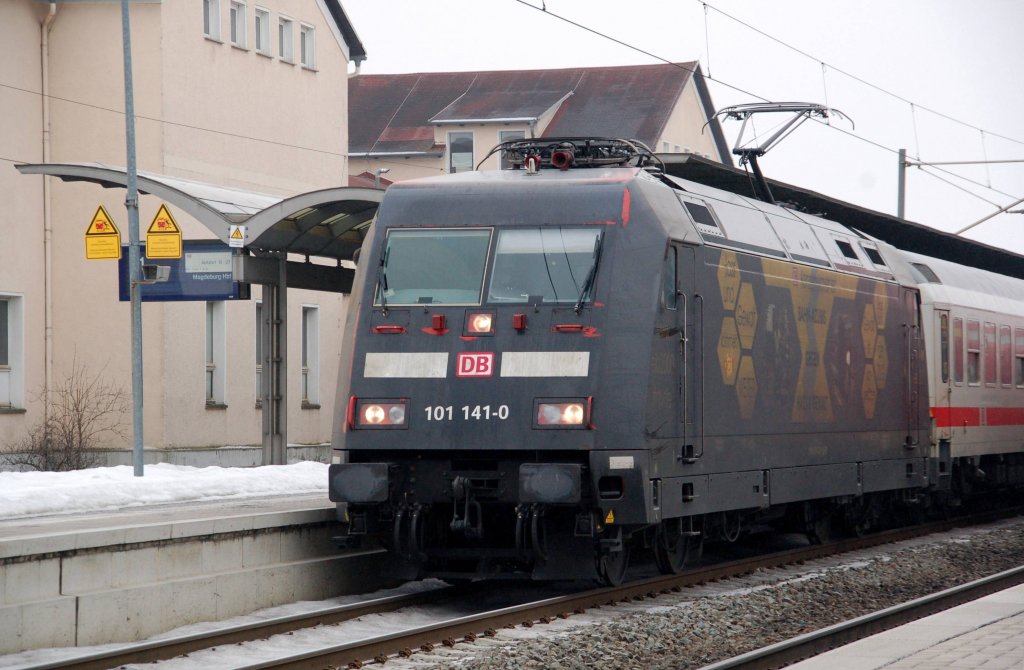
<point x="216" y="350"/>
<point x="973" y="352"/>
<point x="262" y="31"/>
<point x="211" y="18"/>
<point x="310" y="354"/>
<point x="460" y="152"/>
<point x="238" y="17"/>
<point x="12" y="369"/>
<point x="284" y="40"/>
<point x="259" y="352"/>
<point x="505" y="136"/>
<point x="307" y="46"/>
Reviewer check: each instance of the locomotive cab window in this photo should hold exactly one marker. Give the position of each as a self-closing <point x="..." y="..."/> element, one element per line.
<point x="549" y="265"/>
<point x="432" y="266"/>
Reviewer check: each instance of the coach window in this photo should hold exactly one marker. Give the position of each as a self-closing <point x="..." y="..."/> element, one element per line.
<point x="973" y="352"/>
<point x="1005" y="357"/>
<point x="958" y="351"/>
<point x="944" y="347"/>
<point x="433" y="266"/>
<point x="669" y="275"/>
<point x="1018" y="337"/>
<point x="990" y="354"/>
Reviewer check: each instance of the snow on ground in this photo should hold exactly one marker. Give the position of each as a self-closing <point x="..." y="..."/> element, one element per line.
<point x="25" y="494"/>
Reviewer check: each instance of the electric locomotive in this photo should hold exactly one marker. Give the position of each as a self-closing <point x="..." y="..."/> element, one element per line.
<point x="549" y="367"/>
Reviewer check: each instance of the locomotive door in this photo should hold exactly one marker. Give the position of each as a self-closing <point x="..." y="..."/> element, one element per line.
<point x="691" y="346"/>
<point x="912" y="402"/>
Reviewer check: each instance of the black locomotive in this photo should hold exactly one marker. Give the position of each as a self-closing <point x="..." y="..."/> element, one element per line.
<point x="549" y="367"/>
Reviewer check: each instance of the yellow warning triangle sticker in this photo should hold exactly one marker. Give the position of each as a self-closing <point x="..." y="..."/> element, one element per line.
<point x="163" y="222"/>
<point x="102" y="224"/>
<point x="236" y="234"/>
<point x="610" y="517"/>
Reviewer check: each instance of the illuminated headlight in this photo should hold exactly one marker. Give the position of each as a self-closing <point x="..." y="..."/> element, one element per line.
<point x="570" y="414"/>
<point x="479" y="323"/>
<point x="380" y="413"/>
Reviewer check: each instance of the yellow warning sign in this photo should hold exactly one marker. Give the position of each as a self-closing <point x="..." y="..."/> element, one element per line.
<point x="236" y="233"/>
<point x="163" y="239"/>
<point x="102" y="238"/>
<point x="609" y="518"/>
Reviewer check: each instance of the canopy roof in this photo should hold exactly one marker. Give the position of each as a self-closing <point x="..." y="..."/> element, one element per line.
<point x="330" y="223"/>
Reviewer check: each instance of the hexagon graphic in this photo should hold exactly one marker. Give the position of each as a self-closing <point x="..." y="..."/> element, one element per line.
<point x="881" y="304"/>
<point x="746" y="316"/>
<point x="881" y="362"/>
<point x="746" y="387"/>
<point x="869" y="392"/>
<point x="728" y="278"/>
<point x="729" y="350"/>
<point x="869" y="330"/>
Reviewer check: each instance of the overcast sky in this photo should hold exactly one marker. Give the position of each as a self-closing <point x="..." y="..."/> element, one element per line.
<point x="948" y="57"/>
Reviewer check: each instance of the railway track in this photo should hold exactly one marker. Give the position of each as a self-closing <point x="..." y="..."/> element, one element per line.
<point x="449" y="632"/>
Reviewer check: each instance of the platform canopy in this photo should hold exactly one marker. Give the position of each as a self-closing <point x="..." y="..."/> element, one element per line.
<point x="329" y="223"/>
<point x="900" y="233"/>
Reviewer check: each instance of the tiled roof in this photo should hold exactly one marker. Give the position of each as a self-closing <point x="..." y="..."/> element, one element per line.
<point x="395" y="113"/>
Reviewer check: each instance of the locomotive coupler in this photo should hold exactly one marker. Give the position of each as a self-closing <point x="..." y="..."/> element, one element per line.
<point x="471" y="523"/>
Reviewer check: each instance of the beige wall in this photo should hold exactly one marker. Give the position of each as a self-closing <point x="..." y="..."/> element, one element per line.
<point x="207" y="111"/>
<point x="685" y="128"/>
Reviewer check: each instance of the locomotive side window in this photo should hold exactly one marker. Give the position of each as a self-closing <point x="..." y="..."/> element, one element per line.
<point x="554" y="265"/>
<point x="847" y="249"/>
<point x="1018" y="340"/>
<point x="433" y="266"/>
<point x="669" y="278"/>
<point x="701" y="214"/>
<point x="973" y="352"/>
<point x="873" y="255"/>
<point x="958" y="350"/>
<point x="1005" y="357"/>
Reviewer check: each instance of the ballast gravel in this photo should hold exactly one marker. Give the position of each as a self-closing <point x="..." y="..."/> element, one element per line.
<point x="705" y="624"/>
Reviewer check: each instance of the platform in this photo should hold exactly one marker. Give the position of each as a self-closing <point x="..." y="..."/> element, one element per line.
<point x="986" y="633"/>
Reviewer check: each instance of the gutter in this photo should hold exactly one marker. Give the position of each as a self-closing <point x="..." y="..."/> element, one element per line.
<point x="44" y="48"/>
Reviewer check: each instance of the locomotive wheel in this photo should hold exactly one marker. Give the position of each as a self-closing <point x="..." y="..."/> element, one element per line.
<point x="671" y="547"/>
<point x="611" y="567"/>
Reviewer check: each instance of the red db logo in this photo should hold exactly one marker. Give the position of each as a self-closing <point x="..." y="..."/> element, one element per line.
<point x="475" y="364"/>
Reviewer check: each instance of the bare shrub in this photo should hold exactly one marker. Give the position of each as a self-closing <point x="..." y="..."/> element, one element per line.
<point x="81" y="410"/>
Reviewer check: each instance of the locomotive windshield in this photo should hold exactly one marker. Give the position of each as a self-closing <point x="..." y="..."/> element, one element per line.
<point x="433" y="266"/>
<point x="551" y="265"/>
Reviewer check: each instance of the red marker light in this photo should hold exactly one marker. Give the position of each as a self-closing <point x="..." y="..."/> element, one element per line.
<point x="438" y="321"/>
<point x="519" y="322"/>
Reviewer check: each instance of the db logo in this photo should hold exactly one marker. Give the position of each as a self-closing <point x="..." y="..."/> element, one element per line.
<point x="473" y="364"/>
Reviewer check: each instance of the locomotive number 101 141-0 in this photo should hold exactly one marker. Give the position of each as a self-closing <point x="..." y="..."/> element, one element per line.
<point x="466" y="412"/>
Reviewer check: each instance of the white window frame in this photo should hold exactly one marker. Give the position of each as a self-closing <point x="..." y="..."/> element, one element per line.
<point x="472" y="155"/>
<point x="12" y="373"/>
<point x="259" y="353"/>
<point x="286" y="39"/>
<point x="211" y="19"/>
<point x="215" y="353"/>
<point x="310" y="357"/>
<point x="261" y="30"/>
<point x="307" y="46"/>
<point x="504" y="136"/>
<point x="238" y="14"/>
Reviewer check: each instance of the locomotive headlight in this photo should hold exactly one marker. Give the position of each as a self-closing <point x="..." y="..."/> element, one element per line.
<point x="564" y="414"/>
<point x="479" y="323"/>
<point x="380" y="413"/>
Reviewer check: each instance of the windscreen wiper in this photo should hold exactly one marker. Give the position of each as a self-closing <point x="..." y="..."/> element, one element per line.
<point x="382" y="279"/>
<point x="588" y="283"/>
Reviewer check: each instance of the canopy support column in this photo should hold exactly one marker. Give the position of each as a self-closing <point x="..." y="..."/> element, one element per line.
<point x="274" y="377"/>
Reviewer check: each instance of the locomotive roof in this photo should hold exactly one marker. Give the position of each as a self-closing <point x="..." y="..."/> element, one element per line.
<point x="900" y="233"/>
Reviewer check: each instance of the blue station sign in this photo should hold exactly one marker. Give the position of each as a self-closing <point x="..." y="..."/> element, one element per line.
<point x="202" y="273"/>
